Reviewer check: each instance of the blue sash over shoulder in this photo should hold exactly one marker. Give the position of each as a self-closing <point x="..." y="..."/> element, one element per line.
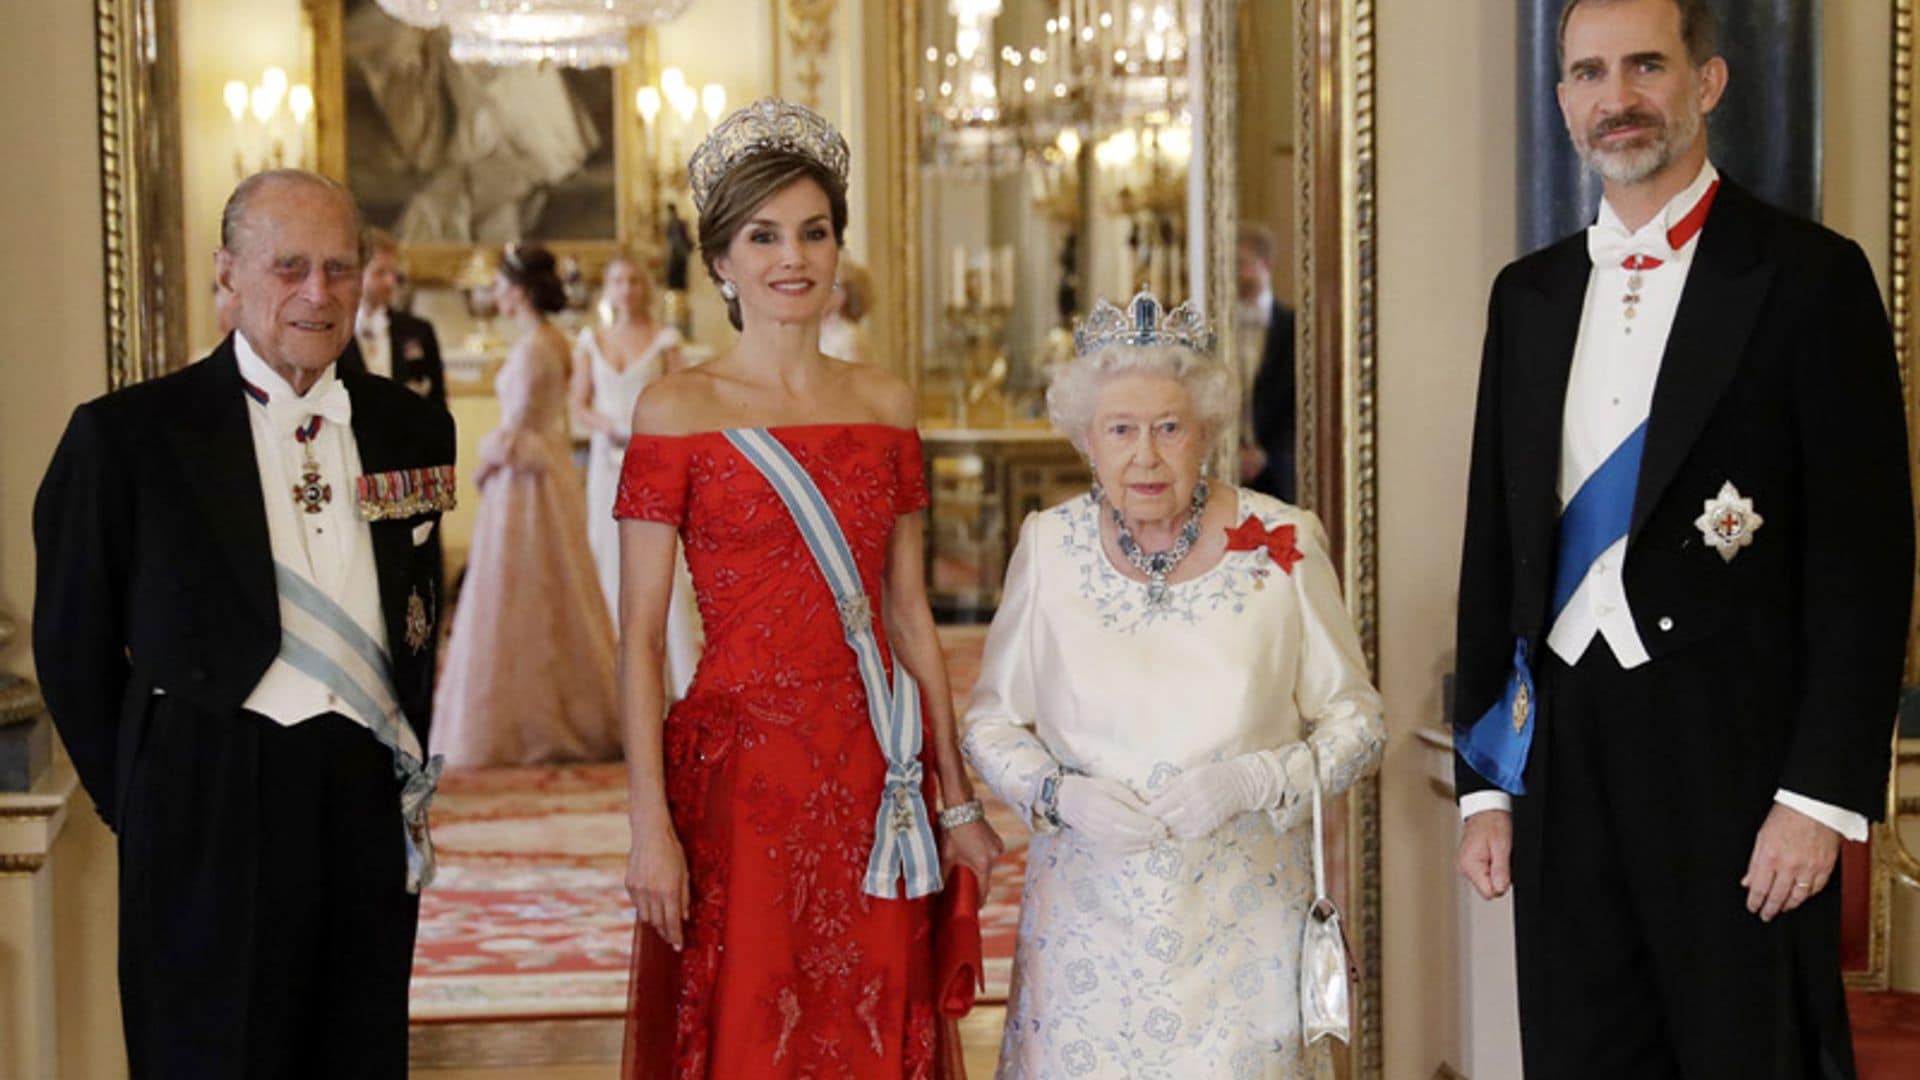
<point x="1599" y="515"/>
<point x="903" y="845"/>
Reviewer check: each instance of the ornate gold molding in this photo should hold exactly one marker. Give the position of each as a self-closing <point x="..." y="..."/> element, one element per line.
<point x="19" y="701"/>
<point x="21" y="865"/>
<point x="136" y="65"/>
<point x="808" y="26"/>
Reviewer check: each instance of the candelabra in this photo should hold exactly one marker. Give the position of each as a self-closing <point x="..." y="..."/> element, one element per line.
<point x="267" y="116"/>
<point x="976" y="326"/>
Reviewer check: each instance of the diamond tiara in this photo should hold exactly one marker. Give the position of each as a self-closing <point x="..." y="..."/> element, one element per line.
<point x="1144" y="322"/>
<point x="767" y="124"/>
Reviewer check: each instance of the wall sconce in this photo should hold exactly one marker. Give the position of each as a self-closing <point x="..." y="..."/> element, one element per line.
<point x="260" y="134"/>
<point x="667" y="119"/>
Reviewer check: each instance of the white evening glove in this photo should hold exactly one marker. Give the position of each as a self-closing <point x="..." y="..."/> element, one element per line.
<point x="1206" y="797"/>
<point x="1107" y="814"/>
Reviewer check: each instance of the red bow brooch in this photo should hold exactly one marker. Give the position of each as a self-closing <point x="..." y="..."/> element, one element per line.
<point x="1250" y="535"/>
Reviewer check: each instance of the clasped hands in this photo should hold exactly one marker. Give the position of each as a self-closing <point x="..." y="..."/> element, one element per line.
<point x="1792" y="860"/>
<point x="1109" y="815"/>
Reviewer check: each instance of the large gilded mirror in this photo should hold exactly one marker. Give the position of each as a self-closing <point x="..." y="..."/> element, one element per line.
<point x="1080" y="149"/>
<point x="1060" y="151"/>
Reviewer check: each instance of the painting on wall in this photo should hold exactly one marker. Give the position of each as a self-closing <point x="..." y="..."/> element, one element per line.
<point x="450" y="157"/>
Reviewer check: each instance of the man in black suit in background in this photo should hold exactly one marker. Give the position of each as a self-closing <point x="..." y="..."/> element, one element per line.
<point x="1683" y="594"/>
<point x="388" y="342"/>
<point x="1264" y="356"/>
<point x="235" y="628"/>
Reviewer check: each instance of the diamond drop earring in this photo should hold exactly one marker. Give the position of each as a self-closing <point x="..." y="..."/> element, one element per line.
<point x="729" y="290"/>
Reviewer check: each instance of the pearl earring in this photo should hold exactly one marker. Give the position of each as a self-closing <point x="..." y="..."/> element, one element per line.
<point x="729" y="290"/>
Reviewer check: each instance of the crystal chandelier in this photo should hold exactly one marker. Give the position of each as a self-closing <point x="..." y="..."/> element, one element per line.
<point x="572" y="33"/>
<point x="970" y="107"/>
<point x="1101" y="66"/>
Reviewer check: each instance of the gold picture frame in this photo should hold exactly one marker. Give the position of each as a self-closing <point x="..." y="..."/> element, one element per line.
<point x="138" y="76"/>
<point x="443" y="264"/>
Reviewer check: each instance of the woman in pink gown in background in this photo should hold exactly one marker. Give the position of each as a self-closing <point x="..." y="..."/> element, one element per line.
<point x="529" y="665"/>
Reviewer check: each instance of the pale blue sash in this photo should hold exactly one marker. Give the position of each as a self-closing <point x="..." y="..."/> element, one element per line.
<point x="903" y="844"/>
<point x="318" y="637"/>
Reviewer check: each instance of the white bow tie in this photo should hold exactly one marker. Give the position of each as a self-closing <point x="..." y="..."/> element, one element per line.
<point x="1607" y="245"/>
<point x="332" y="404"/>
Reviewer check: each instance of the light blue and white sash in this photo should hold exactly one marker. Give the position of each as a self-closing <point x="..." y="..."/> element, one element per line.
<point x="903" y="844"/>
<point x="1596" y="518"/>
<point x="319" y="638"/>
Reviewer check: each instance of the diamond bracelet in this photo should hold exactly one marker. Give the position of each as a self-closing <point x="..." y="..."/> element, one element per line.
<point x="965" y="813"/>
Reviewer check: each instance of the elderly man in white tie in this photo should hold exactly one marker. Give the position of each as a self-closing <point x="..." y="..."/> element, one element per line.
<point x="235" y="629"/>
<point x="1683" y="594"/>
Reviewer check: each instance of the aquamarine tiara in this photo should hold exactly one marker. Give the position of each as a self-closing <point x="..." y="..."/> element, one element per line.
<point x="767" y="124"/>
<point x="1144" y="322"/>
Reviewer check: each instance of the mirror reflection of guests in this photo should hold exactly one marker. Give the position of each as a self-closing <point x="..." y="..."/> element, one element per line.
<point x="243" y="678"/>
<point x="1170" y="665"/>
<point x="611" y="365"/>
<point x="388" y="342"/>
<point x="840" y="333"/>
<point x="529" y="671"/>
<point x="785" y="926"/>
<point x="1264" y="356"/>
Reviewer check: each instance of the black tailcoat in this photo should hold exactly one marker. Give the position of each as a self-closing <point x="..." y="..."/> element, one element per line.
<point x="1779" y="376"/>
<point x="156" y="615"/>
<point x="1273" y="408"/>
<point x="415" y="351"/>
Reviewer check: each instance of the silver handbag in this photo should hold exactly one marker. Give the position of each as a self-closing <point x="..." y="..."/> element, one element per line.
<point x="1325" y="1007"/>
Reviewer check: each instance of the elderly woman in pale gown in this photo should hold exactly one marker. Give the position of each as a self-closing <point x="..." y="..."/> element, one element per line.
<point x="1169" y="668"/>
<point x="612" y="364"/>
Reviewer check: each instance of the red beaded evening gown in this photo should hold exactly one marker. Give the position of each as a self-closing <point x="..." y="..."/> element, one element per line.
<point x="773" y="778"/>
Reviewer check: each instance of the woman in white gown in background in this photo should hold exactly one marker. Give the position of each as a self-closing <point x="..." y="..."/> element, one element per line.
<point x="1170" y="667"/>
<point x="613" y="363"/>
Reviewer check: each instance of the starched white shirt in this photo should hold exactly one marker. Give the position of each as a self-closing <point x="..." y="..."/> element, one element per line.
<point x="332" y="548"/>
<point x="371" y="327"/>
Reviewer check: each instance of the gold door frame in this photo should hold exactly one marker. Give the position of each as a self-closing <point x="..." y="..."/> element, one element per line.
<point x="1892" y="860"/>
<point x="137" y="69"/>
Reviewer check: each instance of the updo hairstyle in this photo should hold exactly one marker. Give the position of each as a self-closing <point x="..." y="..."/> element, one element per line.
<point x="746" y="188"/>
<point x="532" y="268"/>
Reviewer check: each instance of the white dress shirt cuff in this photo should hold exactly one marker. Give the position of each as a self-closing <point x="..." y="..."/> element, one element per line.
<point x="1481" y="801"/>
<point x="1846" y="822"/>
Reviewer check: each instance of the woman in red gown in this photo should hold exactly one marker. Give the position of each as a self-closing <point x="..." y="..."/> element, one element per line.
<point x="757" y="952"/>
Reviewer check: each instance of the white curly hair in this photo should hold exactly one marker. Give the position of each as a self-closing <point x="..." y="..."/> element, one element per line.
<point x="1075" y="387"/>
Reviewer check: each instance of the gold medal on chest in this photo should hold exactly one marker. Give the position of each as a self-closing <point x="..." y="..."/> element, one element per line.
<point x="312" y="493"/>
<point x="419" y="626"/>
<point x="1522" y="707"/>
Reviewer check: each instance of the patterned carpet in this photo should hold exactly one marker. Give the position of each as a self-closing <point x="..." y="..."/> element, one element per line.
<point x="528" y="917"/>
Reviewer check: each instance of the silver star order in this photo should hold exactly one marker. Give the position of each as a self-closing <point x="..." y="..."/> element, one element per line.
<point x="1728" y="521"/>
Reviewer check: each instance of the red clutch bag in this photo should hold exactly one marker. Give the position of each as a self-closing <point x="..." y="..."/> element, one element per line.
<point x="956" y="944"/>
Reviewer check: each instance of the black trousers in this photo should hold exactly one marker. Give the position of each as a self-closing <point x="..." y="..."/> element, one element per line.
<point x="265" y="930"/>
<point x="1637" y="956"/>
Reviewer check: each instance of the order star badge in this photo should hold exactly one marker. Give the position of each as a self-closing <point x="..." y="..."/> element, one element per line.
<point x="1729" y="521"/>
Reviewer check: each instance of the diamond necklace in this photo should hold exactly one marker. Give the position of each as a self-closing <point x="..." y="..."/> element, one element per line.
<point x="1161" y="563"/>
